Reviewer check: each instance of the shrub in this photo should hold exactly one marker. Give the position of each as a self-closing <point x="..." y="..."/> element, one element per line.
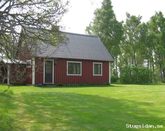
<point x="136" y="75"/>
<point x="114" y="79"/>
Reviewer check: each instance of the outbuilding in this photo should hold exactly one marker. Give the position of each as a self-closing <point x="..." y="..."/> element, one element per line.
<point x="81" y="59"/>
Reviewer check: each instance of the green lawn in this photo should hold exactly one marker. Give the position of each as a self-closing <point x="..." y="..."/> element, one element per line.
<point x="82" y="108"/>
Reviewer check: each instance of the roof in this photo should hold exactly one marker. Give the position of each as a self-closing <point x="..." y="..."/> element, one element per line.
<point x="76" y="46"/>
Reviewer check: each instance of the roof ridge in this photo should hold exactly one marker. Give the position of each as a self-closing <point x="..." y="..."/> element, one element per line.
<point x="88" y="35"/>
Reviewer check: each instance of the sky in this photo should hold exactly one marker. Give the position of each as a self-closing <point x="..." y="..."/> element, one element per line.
<point x="81" y="12"/>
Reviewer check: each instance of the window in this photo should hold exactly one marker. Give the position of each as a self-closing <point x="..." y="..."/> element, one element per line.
<point x="97" y="69"/>
<point x="28" y="63"/>
<point x="74" y="68"/>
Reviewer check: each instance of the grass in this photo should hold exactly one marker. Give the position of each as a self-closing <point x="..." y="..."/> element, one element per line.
<point x="107" y="108"/>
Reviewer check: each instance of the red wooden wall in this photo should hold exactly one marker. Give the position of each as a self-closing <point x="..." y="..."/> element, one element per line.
<point x="87" y="73"/>
<point x="60" y="72"/>
<point x="39" y="62"/>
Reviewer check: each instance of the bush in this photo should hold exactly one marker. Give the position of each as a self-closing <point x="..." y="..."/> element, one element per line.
<point x="114" y="79"/>
<point x="136" y="75"/>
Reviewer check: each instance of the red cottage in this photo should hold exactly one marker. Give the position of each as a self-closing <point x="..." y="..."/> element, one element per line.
<point x="81" y="59"/>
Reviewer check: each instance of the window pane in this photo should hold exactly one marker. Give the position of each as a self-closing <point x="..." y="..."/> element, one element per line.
<point x="97" y="69"/>
<point x="73" y="68"/>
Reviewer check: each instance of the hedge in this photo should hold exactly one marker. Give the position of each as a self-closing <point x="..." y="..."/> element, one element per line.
<point x="136" y="75"/>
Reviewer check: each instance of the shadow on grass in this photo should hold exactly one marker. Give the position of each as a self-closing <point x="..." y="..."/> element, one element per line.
<point x="70" y="86"/>
<point x="6" y="105"/>
<point x="69" y="111"/>
<point x="76" y="86"/>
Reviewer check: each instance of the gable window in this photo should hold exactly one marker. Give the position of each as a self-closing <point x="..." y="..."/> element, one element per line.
<point x="97" y="69"/>
<point x="74" y="68"/>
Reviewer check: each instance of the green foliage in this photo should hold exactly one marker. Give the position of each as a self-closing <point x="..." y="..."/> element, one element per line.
<point x="132" y="45"/>
<point x="157" y="35"/>
<point x="106" y="26"/>
<point x="114" y="79"/>
<point x="136" y="75"/>
<point x="132" y="42"/>
<point x="144" y="42"/>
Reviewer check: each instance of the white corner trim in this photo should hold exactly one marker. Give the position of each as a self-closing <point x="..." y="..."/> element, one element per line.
<point x="33" y="71"/>
<point x="101" y="69"/>
<point x="44" y="70"/>
<point x="109" y="72"/>
<point x="53" y="72"/>
<point x="8" y="74"/>
<point x="73" y="63"/>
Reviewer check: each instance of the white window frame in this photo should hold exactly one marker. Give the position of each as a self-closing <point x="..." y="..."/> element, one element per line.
<point x="52" y="71"/>
<point x="94" y="63"/>
<point x="73" y="63"/>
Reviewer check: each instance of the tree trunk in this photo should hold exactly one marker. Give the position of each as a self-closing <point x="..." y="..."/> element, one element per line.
<point x="161" y="75"/>
<point x="116" y="64"/>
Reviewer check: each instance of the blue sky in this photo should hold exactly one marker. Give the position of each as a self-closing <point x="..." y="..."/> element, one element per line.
<point x="80" y="12"/>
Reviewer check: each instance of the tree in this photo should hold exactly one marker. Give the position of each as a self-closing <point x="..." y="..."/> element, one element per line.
<point x="131" y="43"/>
<point x="17" y="15"/>
<point x="23" y="22"/>
<point x="157" y="35"/>
<point x="106" y="26"/>
<point x="144" y="42"/>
